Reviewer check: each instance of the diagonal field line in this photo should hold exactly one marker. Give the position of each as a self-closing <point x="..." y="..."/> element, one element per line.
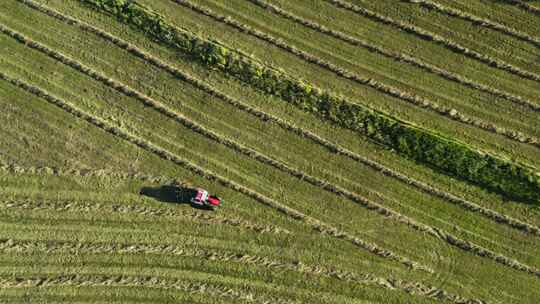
<point x="525" y="6"/>
<point x="424" y="34"/>
<point x="479" y="21"/>
<point x="54" y="246"/>
<point x="395" y="55"/>
<point x="433" y="231"/>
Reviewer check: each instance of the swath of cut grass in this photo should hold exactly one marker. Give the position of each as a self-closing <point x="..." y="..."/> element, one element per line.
<point x="415" y="288"/>
<point x="477" y="20"/>
<point x="435" y="232"/>
<point x="438" y="233"/>
<point x="125" y="280"/>
<point x="524" y="6"/>
<point x="74" y="206"/>
<point x="397" y="56"/>
<point x="424" y="34"/>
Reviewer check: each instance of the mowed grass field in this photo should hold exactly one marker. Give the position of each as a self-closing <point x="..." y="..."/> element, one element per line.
<point x="97" y="110"/>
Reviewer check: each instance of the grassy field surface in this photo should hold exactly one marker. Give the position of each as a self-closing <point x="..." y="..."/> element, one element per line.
<point x="96" y="113"/>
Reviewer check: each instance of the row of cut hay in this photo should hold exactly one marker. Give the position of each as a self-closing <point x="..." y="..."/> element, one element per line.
<point x="525" y="6"/>
<point x="111" y="207"/>
<point x="316" y="224"/>
<point x="427" y="35"/>
<point x="415" y="288"/>
<point x="477" y="20"/>
<point x="397" y="56"/>
<point x="495" y="216"/>
<point x="379" y="86"/>
<point x="154" y="282"/>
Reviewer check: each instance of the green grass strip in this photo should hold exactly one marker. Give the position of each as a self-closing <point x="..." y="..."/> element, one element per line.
<point x="509" y="178"/>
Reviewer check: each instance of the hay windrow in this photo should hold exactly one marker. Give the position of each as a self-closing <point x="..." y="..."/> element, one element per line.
<point x="429" y="36"/>
<point x="415" y="288"/>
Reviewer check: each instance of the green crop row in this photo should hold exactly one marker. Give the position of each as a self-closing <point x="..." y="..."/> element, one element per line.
<point x="457" y="159"/>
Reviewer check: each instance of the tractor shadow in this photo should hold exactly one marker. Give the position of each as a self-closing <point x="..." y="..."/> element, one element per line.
<point x="172" y="194"/>
<point x="169" y="194"/>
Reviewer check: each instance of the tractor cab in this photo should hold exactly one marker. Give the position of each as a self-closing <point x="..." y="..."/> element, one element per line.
<point x="203" y="199"/>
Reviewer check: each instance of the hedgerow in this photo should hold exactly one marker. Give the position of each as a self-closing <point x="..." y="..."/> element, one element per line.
<point x="511" y="179"/>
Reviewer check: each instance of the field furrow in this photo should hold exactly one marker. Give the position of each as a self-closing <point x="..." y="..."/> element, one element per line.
<point x="463" y="80"/>
<point x="314" y="223"/>
<point x="425" y="34"/>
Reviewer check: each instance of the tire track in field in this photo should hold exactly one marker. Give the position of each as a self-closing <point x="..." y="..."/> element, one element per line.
<point x="488" y="213"/>
<point x="397" y="56"/>
<point x="323" y="184"/>
<point x="166" y="155"/>
<point x="370" y="82"/>
<point x="75" y="206"/>
<point x="204" y="288"/>
<point x="452" y="12"/>
<point x="415" y="288"/>
<point x="524" y="6"/>
<point x="429" y="36"/>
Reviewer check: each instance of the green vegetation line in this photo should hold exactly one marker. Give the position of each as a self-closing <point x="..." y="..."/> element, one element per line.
<point x="511" y="179"/>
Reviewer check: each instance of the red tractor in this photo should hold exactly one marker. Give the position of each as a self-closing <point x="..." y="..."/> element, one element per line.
<point x="204" y="200"/>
